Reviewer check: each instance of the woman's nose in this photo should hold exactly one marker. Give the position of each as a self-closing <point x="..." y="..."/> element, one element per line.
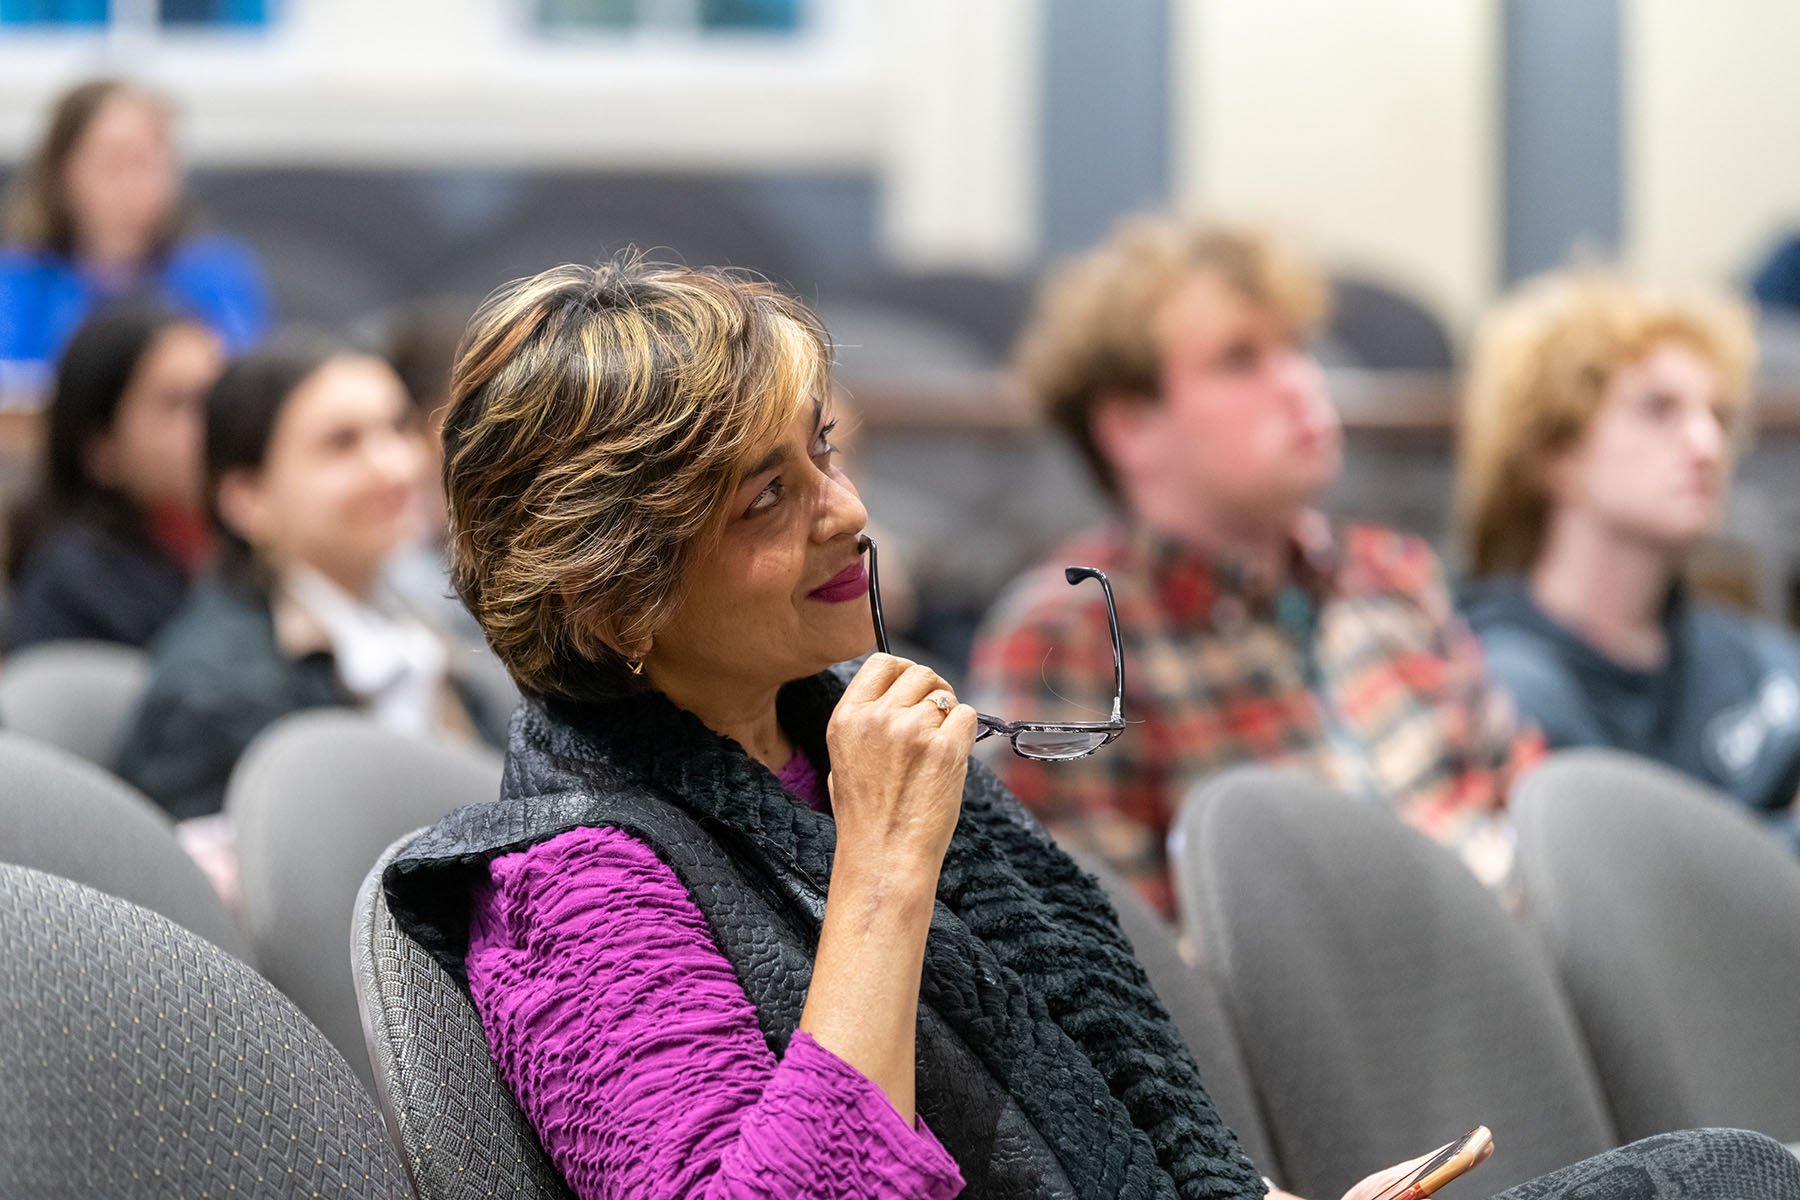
<point x="397" y="457"/>
<point x="840" y="510"/>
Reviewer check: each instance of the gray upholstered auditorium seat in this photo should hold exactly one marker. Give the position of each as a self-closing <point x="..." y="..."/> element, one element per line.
<point x="77" y="695"/>
<point x="1675" y="920"/>
<point x="1193" y="1001"/>
<point x="141" y="1060"/>
<point x="1384" y="1001"/>
<point x="315" y="800"/>
<point x="459" y="1130"/>
<point x="61" y="814"/>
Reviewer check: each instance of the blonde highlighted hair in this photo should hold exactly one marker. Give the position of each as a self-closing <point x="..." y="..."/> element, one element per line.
<point x="1542" y="361"/>
<point x="600" y="419"/>
<point x="1090" y="338"/>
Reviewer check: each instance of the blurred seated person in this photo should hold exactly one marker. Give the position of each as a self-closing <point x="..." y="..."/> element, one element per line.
<point x="694" y="921"/>
<point x="1599" y="434"/>
<point x="311" y="461"/>
<point x="420" y="344"/>
<point x="97" y="214"/>
<point x="1174" y="357"/>
<point x="106" y="547"/>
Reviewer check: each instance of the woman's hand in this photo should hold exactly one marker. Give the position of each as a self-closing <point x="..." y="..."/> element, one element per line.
<point x="898" y="757"/>
<point x="899" y="747"/>
<point x="1381" y="1181"/>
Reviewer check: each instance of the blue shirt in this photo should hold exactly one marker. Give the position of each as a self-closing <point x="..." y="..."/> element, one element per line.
<point x="44" y="297"/>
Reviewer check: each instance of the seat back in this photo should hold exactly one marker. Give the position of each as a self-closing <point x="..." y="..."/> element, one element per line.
<point x="1387" y="329"/>
<point x="1675" y="921"/>
<point x="460" y="1132"/>
<point x="1192" y="999"/>
<point x="141" y="1060"/>
<point x="1384" y="1001"/>
<point x="315" y="800"/>
<point x="78" y="695"/>
<point x="66" y="816"/>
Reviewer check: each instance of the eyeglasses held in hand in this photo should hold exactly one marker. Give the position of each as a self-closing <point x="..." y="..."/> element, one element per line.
<point x="1047" y="741"/>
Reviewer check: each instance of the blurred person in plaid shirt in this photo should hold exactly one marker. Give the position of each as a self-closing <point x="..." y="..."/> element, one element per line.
<point x="1174" y="357"/>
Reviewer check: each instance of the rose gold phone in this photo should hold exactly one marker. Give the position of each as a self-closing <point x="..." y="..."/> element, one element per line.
<point x="1449" y="1162"/>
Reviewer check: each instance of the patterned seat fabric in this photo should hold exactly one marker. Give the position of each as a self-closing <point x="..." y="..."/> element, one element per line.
<point x="459" y="1129"/>
<point x="140" y="1060"/>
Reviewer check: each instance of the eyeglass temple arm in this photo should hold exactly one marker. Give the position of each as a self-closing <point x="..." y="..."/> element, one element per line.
<point x="865" y="542"/>
<point x="1075" y="575"/>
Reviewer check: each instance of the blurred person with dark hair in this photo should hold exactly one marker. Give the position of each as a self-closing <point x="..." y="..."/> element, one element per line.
<point x="420" y="343"/>
<point x="96" y="213"/>
<point x="311" y="461"/>
<point x="107" y="545"/>
<point x="746" y="920"/>
<point x="1174" y="357"/>
<point x="1602" y="422"/>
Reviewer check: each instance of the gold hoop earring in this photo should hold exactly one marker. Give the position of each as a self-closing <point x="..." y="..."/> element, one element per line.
<point x="637" y="666"/>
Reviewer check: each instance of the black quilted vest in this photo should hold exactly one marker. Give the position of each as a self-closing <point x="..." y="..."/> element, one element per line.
<point x="1046" y="1065"/>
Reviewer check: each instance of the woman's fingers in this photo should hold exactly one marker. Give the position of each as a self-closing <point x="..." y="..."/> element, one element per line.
<point x="960" y="726"/>
<point x="1375" y="1185"/>
<point x="914" y="685"/>
<point x="876" y="675"/>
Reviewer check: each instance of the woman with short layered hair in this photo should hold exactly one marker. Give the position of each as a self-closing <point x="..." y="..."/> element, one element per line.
<point x="695" y="921"/>
<point x="1602" y="422"/>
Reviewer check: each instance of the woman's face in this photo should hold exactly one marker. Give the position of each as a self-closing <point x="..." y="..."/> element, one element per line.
<point x="335" y="484"/>
<point x="121" y="180"/>
<point x="785" y="593"/>
<point x="152" y="450"/>
<point x="1654" y="464"/>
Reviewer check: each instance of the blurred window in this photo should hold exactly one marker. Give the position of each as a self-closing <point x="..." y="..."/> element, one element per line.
<point x="680" y="17"/>
<point x="136" y="14"/>
<point x="213" y="12"/>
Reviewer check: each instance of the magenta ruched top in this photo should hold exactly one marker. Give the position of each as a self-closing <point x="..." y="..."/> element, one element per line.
<point x="622" y="1030"/>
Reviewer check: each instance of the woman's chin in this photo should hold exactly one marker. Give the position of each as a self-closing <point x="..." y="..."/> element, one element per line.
<point x="844" y="647"/>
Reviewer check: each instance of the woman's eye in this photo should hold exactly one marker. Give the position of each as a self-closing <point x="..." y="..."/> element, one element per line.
<point x="823" y="445"/>
<point x="766" y="499"/>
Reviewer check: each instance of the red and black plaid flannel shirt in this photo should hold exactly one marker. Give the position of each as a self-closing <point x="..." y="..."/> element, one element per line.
<point x="1357" y="668"/>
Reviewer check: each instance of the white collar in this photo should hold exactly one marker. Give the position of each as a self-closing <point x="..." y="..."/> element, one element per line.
<point x="384" y="656"/>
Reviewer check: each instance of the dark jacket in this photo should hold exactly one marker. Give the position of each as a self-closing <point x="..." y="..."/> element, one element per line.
<point x="1724" y="708"/>
<point x="82" y="581"/>
<point x="1046" y="1065"/>
<point x="219" y="675"/>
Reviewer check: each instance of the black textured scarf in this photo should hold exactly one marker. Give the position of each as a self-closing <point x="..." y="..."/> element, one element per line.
<point x="1025" y="960"/>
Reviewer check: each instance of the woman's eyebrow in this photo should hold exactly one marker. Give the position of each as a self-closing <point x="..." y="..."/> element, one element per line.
<point x="768" y="462"/>
<point x="774" y="458"/>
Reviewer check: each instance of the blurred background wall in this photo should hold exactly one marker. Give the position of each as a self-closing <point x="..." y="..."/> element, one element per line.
<point x="911" y="165"/>
<point x="1444" y="147"/>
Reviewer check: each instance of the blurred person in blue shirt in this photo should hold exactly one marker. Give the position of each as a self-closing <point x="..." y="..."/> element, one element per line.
<point x="97" y="215"/>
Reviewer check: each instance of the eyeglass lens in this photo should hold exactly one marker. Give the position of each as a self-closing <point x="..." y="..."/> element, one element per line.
<point x="1058" y="743"/>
